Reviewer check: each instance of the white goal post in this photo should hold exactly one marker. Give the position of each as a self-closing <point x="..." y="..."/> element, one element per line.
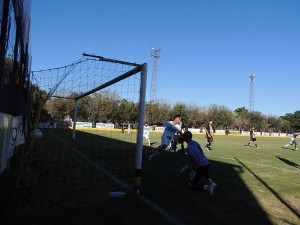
<point x="142" y="69"/>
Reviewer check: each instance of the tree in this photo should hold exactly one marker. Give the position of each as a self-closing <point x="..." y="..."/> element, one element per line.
<point x="241" y="112"/>
<point x="38" y="98"/>
<point x="180" y="108"/>
<point x="284" y="125"/>
<point x="158" y="112"/>
<point x="211" y="113"/>
<point x="272" y="123"/>
<point x="257" y="120"/>
<point x="58" y="107"/>
<point x="107" y="106"/>
<point x="129" y="111"/>
<point x="241" y="120"/>
<point x="195" y="116"/>
<point x="224" y="118"/>
<point x="294" y="119"/>
<point x="83" y="109"/>
<point x="221" y="115"/>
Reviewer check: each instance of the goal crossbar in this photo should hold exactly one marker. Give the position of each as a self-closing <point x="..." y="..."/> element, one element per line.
<point x="111" y="82"/>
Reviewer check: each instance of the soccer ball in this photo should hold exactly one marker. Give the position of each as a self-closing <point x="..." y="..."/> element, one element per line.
<point x="36" y="134"/>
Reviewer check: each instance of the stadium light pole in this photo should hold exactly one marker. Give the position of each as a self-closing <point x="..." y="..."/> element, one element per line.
<point x="251" y="92"/>
<point x="155" y="54"/>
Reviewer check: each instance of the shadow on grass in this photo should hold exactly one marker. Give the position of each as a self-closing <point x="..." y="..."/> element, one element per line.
<point x="58" y="186"/>
<point x="54" y="177"/>
<point x="232" y="202"/>
<point x="289" y="162"/>
<point x="272" y="191"/>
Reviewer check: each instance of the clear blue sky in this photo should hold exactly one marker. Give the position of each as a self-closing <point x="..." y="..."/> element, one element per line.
<point x="208" y="47"/>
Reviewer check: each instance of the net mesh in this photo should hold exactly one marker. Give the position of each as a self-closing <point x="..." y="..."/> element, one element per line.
<point x="57" y="173"/>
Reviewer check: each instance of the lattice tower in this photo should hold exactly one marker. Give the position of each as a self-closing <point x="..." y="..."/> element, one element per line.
<point x="251" y="92"/>
<point x="155" y="54"/>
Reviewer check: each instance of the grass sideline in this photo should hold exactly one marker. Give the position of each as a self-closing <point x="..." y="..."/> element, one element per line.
<point x="255" y="186"/>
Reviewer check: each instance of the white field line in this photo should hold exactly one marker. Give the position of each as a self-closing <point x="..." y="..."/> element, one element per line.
<point x="146" y="201"/>
<point x="256" y="164"/>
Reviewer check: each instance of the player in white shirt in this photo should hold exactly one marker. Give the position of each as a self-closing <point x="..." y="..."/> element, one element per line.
<point x="293" y="141"/>
<point x="146" y="133"/>
<point x="170" y="129"/>
<point x="129" y="128"/>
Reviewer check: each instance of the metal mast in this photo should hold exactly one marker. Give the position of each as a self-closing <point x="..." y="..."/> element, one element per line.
<point x="155" y="54"/>
<point x="251" y="92"/>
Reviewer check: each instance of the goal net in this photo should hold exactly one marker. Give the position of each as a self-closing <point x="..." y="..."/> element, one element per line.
<point x="91" y="116"/>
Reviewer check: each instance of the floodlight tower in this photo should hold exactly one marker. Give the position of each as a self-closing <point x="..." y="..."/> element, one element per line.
<point x="251" y="92"/>
<point x="155" y="54"/>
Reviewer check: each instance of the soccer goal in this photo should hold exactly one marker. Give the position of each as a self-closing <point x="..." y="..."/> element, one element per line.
<point x="91" y="114"/>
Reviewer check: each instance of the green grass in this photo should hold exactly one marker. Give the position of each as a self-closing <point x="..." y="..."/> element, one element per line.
<point x="255" y="186"/>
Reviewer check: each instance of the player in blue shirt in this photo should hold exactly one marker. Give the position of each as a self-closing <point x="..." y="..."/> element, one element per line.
<point x="170" y="129"/>
<point x="293" y="141"/>
<point x="199" y="163"/>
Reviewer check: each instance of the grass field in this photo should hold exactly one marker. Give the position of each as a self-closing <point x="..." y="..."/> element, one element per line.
<point x="255" y="186"/>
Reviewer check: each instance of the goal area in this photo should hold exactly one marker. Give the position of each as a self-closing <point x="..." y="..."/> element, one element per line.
<point x="91" y="114"/>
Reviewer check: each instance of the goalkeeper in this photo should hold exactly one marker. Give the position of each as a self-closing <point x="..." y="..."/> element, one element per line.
<point x="199" y="163"/>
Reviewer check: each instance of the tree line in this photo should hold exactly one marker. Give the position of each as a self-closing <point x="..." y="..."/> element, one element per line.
<point x="109" y="107"/>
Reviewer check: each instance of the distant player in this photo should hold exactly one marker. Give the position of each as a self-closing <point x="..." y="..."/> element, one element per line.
<point x="293" y="141"/>
<point x="199" y="163"/>
<point x="129" y="128"/>
<point x="252" y="137"/>
<point x="146" y="133"/>
<point x="227" y="130"/>
<point x="170" y="129"/>
<point x="209" y="135"/>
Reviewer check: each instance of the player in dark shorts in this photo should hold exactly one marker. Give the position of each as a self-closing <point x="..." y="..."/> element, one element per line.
<point x="178" y="139"/>
<point x="209" y="135"/>
<point x="252" y="137"/>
